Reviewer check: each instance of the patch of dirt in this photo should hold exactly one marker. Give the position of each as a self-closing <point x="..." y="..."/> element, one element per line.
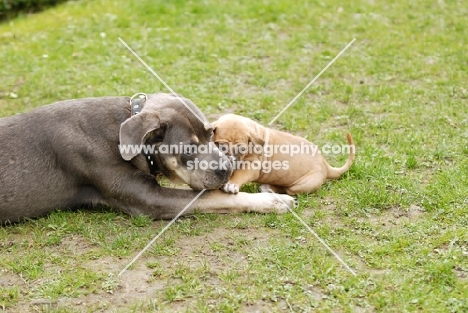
<point x="396" y="216"/>
<point x="264" y="307"/>
<point x="71" y="245"/>
<point x="139" y="285"/>
<point x="377" y="272"/>
<point x="461" y="273"/>
<point x="8" y="280"/>
<point x="315" y="293"/>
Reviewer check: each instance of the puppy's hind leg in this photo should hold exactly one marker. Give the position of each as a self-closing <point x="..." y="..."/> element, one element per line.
<point x="306" y="184"/>
<point x="274" y="188"/>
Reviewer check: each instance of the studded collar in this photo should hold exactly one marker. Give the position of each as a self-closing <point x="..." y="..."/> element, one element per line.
<point x="137" y="102"/>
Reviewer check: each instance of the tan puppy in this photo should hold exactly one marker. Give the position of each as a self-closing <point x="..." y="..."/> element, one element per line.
<point x="280" y="161"/>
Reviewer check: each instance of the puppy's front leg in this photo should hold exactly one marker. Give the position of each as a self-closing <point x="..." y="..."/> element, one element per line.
<point x="239" y="178"/>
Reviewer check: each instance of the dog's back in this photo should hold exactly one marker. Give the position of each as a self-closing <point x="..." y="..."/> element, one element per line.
<point x="35" y="155"/>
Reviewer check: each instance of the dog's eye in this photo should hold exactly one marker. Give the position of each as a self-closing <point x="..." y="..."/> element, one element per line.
<point x="156" y="136"/>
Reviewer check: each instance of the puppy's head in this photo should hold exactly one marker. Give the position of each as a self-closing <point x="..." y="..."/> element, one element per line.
<point x="236" y="135"/>
<point x="178" y="139"/>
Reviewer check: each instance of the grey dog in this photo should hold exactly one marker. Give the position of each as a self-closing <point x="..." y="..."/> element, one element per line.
<point x="66" y="155"/>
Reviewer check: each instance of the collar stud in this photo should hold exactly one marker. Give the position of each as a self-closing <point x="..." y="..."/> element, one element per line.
<point x="137" y="101"/>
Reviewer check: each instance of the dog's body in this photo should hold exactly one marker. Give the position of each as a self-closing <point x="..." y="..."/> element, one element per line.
<point x="294" y="174"/>
<point x="67" y="155"/>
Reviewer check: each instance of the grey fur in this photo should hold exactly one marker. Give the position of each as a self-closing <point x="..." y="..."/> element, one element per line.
<point x="66" y="155"/>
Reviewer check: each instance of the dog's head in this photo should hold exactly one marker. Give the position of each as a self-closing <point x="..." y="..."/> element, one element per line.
<point x="179" y="139"/>
<point x="237" y="135"/>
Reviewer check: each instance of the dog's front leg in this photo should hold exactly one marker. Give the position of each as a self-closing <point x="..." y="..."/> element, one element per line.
<point x="164" y="203"/>
<point x="136" y="193"/>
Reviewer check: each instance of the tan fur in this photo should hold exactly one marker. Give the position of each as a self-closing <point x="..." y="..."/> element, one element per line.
<point x="305" y="173"/>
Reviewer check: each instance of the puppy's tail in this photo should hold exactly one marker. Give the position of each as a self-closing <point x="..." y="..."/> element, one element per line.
<point x="335" y="172"/>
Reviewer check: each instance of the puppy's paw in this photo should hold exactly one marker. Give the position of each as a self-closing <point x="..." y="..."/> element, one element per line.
<point x="232" y="159"/>
<point x="264" y="188"/>
<point x="230" y="188"/>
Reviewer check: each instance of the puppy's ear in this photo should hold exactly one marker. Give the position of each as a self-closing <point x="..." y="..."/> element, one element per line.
<point x="256" y="134"/>
<point x="134" y="130"/>
<point x="214" y="125"/>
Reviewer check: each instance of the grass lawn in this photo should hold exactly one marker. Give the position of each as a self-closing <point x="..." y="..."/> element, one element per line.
<point x="399" y="217"/>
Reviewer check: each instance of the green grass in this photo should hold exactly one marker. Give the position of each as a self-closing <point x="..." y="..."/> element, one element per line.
<point x="399" y="217"/>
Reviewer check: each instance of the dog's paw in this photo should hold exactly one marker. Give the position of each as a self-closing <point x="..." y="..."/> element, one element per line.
<point x="230" y="188"/>
<point x="284" y="203"/>
<point x="273" y="203"/>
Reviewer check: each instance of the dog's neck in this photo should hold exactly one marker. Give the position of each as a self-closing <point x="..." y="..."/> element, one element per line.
<point x="137" y="102"/>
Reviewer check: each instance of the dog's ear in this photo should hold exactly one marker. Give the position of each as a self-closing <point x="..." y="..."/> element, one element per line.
<point x="133" y="132"/>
